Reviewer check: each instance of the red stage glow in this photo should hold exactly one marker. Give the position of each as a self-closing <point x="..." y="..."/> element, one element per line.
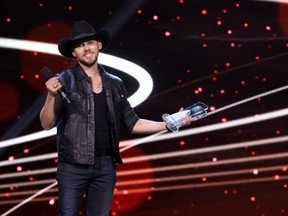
<point x="123" y="200"/>
<point x="283" y="18"/>
<point x="32" y="62"/>
<point x="9" y="100"/>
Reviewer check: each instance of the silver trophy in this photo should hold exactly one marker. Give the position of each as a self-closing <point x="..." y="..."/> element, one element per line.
<point x="194" y="112"/>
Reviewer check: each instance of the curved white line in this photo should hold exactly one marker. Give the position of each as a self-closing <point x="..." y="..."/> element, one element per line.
<point x="144" y="79"/>
<point x="142" y="76"/>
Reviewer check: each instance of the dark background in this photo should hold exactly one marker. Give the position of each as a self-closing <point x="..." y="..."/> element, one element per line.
<point x="200" y="54"/>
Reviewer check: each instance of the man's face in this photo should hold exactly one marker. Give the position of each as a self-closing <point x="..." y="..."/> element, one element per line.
<point x="87" y="52"/>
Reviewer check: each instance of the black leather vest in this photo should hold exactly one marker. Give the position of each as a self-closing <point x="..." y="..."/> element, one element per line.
<point x="76" y="120"/>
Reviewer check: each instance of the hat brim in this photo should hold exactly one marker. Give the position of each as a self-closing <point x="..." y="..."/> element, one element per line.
<point x="66" y="45"/>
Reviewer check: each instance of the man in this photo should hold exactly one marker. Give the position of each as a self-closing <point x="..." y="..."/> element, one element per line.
<point x="87" y="127"/>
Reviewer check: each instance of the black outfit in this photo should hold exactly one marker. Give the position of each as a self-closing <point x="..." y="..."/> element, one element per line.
<point x="88" y="140"/>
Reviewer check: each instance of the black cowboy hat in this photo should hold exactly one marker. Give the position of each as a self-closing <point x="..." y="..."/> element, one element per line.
<point x="82" y="30"/>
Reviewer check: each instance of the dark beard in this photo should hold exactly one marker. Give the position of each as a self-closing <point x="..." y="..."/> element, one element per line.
<point x="86" y="63"/>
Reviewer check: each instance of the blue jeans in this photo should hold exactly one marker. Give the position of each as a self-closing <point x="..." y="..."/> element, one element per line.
<point x="96" y="181"/>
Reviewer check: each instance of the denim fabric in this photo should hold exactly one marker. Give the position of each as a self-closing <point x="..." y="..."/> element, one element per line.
<point x="96" y="181"/>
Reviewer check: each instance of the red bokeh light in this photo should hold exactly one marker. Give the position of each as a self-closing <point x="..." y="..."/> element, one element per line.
<point x="32" y="62"/>
<point x="204" y="12"/>
<point x="167" y="34"/>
